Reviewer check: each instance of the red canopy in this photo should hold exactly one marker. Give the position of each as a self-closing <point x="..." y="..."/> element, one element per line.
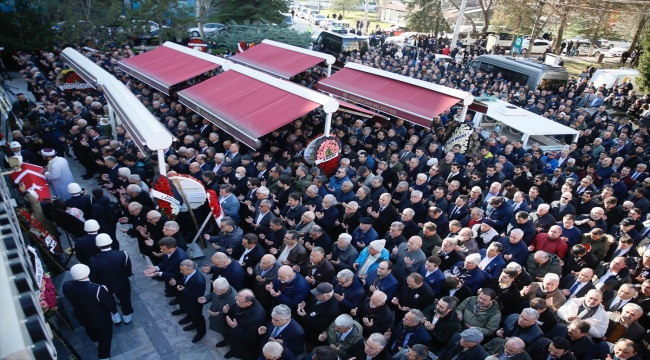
<point x="401" y="99"/>
<point x="245" y="107"/>
<point x="357" y="110"/>
<point x="275" y="60"/>
<point x="163" y="67"/>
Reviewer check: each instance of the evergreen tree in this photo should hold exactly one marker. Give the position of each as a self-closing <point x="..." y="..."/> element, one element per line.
<point x="426" y="16"/>
<point x="25" y="26"/>
<point x="643" y="80"/>
<point x="252" y="10"/>
<point x="173" y="19"/>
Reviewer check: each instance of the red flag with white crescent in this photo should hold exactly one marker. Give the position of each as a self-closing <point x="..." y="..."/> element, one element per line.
<point x="215" y="206"/>
<point x="32" y="176"/>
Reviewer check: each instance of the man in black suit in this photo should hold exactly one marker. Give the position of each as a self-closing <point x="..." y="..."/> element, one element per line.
<point x="93" y="307"/>
<point x="448" y="254"/>
<point x="169" y="268"/>
<point x="414" y="293"/>
<point x="293" y="210"/>
<point x="250" y="253"/>
<point x="261" y="219"/>
<point x="559" y="348"/>
<point x="317" y="270"/>
<point x="578" y="286"/>
<point x="623" y="247"/>
<point x="285" y="329"/>
<point x="466" y="346"/>
<point x="383" y="212"/>
<point x="582" y="346"/>
<point x="459" y="210"/>
<point x="112" y="268"/>
<point x="139" y="196"/>
<point x="190" y="285"/>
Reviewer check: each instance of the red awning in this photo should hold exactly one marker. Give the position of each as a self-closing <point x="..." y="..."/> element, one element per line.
<point x="244" y="107"/>
<point x="276" y="61"/>
<point x="163" y="67"/>
<point x="393" y="97"/>
<point x="357" y="110"/>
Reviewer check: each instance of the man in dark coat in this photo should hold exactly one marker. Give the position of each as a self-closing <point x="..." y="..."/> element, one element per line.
<point x="413" y="324"/>
<point x="79" y="200"/>
<point x="250" y="253"/>
<point x="317" y="270"/>
<point x="225" y="266"/>
<point x="85" y="247"/>
<point x="373" y="347"/>
<point x="169" y="268"/>
<point x="318" y="312"/>
<point x="112" y="268"/>
<point x="244" y="320"/>
<point x="289" y="288"/>
<point x="93" y="307"/>
<point x="190" y="286"/>
<point x="444" y="321"/>
<point x="283" y="328"/>
<point x="259" y="276"/>
<point x="373" y="314"/>
<point x="468" y="348"/>
<point x="413" y="294"/>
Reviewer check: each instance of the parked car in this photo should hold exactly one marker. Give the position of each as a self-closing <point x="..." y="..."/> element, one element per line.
<point x="608" y="44"/>
<point x="618" y="50"/>
<point x="152" y="37"/>
<point x="325" y="23"/>
<point x="539" y="46"/>
<point x="316" y="18"/>
<point x="208" y="29"/>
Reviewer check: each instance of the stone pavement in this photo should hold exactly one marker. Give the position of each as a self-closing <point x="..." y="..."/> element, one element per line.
<point x="154" y="332"/>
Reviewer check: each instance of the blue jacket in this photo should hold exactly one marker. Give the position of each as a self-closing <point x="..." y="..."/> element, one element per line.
<point x="170" y="266"/>
<point x="519" y="251"/>
<point x="292" y="336"/>
<point x="359" y="236"/>
<point x="419" y="336"/>
<point x="501" y="216"/>
<point x="234" y="273"/>
<point x="385" y="255"/>
<point x="435" y="280"/>
<point x="293" y="293"/>
<point x="336" y="183"/>
<point x="473" y="279"/>
<point x="388" y="284"/>
<point x="231" y="208"/>
<point x="494" y="267"/>
<point x="354" y="294"/>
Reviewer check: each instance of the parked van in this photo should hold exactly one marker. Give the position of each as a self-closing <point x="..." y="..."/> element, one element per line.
<point x="336" y="43"/>
<point x="524" y="71"/>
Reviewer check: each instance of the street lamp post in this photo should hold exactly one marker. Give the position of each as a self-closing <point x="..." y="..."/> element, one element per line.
<point x="459" y="22"/>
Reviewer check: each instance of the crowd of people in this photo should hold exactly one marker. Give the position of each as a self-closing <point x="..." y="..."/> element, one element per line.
<point x="404" y="252"/>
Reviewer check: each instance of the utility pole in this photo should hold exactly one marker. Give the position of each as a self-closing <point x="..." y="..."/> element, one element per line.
<point x="365" y="19"/>
<point x="459" y="22"/>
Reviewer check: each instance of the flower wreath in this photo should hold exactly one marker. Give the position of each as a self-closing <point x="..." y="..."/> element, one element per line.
<point x="215" y="206"/>
<point x="47" y="295"/>
<point x="327" y="153"/>
<point x="37" y="229"/>
<point x="166" y="208"/>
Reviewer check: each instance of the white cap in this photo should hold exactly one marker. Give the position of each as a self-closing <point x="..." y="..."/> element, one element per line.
<point x="48" y="152"/>
<point x="15" y="144"/>
<point x="74" y="188"/>
<point x="91" y="225"/>
<point x="103" y="240"/>
<point x="79" y="271"/>
<point x="378" y="245"/>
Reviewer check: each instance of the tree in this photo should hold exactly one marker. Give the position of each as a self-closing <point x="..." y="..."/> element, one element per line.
<point x="173" y="19"/>
<point x="426" y="16"/>
<point x="252" y="10"/>
<point x="93" y="22"/>
<point x="486" y="11"/>
<point x="346" y="5"/>
<point x="256" y="32"/>
<point x="643" y="80"/>
<point x="25" y="26"/>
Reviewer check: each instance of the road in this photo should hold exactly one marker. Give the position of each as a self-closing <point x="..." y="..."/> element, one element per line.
<point x="301" y="25"/>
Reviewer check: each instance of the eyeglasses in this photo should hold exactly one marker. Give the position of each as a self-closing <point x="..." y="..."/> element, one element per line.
<point x="565" y="198"/>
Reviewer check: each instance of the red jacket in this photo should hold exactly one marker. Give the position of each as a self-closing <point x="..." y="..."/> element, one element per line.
<point x="557" y="246"/>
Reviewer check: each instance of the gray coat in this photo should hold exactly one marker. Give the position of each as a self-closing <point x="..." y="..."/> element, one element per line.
<point x="346" y="257"/>
<point x="217" y="302"/>
<point x="259" y="289"/>
<point x="400" y="270"/>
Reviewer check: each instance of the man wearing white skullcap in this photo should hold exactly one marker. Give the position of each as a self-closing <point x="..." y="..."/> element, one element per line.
<point x="58" y="173"/>
<point x="93" y="307"/>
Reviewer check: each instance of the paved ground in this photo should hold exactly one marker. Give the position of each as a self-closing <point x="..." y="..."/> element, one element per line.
<point x="154" y="332"/>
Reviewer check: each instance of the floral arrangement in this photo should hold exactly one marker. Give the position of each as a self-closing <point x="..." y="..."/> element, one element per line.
<point x="215" y="206"/>
<point x="37" y="229"/>
<point x="166" y="208"/>
<point x="47" y="295"/>
<point x="189" y="177"/>
<point x="328" y="154"/>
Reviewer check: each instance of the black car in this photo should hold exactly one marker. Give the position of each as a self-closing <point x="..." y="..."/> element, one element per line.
<point x="153" y="37"/>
